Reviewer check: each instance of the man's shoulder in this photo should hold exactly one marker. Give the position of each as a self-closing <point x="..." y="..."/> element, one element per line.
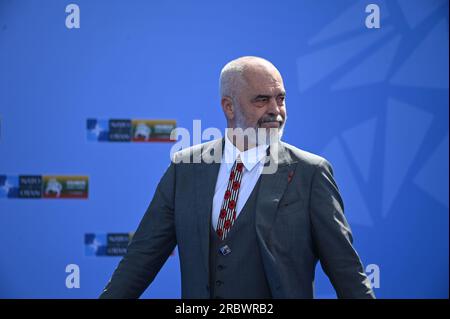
<point x="303" y="157"/>
<point x="195" y="153"/>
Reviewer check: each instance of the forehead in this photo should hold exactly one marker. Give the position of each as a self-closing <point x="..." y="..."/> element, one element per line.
<point x="263" y="79"/>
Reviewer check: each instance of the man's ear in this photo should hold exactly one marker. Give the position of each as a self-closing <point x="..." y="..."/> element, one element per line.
<point x="228" y="107"/>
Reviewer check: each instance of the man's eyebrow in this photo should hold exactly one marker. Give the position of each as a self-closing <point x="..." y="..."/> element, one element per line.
<point x="268" y="96"/>
<point x="262" y="96"/>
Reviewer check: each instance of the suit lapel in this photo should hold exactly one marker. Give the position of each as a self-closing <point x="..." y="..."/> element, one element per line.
<point x="272" y="188"/>
<point x="206" y="178"/>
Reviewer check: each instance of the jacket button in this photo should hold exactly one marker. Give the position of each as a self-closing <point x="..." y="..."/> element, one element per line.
<point x="220" y="267"/>
<point x="219" y="283"/>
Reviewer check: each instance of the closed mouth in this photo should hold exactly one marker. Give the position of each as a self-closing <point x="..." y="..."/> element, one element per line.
<point x="271" y="124"/>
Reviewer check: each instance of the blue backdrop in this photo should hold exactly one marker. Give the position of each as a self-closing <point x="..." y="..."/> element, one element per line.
<point x="374" y="101"/>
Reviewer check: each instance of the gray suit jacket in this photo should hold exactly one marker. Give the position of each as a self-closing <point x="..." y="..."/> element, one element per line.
<point x="299" y="221"/>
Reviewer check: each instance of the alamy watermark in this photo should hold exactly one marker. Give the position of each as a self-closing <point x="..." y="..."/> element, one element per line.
<point x="73" y="17"/>
<point x="266" y="142"/>
<point x="373" y="275"/>
<point x="373" y="19"/>
<point x="73" y="277"/>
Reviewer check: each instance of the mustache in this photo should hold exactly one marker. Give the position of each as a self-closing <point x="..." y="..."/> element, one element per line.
<point x="271" y="118"/>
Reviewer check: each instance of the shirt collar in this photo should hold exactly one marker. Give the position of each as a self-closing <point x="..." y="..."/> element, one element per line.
<point x="249" y="158"/>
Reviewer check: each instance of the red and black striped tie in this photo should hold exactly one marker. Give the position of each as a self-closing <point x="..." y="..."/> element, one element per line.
<point x="227" y="214"/>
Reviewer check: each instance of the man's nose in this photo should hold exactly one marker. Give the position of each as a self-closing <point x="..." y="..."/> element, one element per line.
<point x="273" y="107"/>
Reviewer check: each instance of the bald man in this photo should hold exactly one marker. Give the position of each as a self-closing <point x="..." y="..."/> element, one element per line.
<point x="251" y="215"/>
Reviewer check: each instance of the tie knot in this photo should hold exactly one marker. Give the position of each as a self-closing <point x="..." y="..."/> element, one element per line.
<point x="238" y="165"/>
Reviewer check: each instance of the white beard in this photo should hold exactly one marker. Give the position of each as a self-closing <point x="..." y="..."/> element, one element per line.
<point x="260" y="136"/>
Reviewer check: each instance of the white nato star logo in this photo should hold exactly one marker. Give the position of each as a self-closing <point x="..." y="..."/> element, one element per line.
<point x="95" y="244"/>
<point x="96" y="130"/>
<point x="7" y="187"/>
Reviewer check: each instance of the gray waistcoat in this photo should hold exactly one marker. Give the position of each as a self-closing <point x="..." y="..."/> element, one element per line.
<point x="240" y="273"/>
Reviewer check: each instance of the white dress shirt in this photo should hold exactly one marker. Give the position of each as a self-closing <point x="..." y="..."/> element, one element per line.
<point x="253" y="160"/>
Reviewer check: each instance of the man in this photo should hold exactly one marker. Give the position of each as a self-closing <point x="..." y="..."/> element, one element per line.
<point x="254" y="222"/>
